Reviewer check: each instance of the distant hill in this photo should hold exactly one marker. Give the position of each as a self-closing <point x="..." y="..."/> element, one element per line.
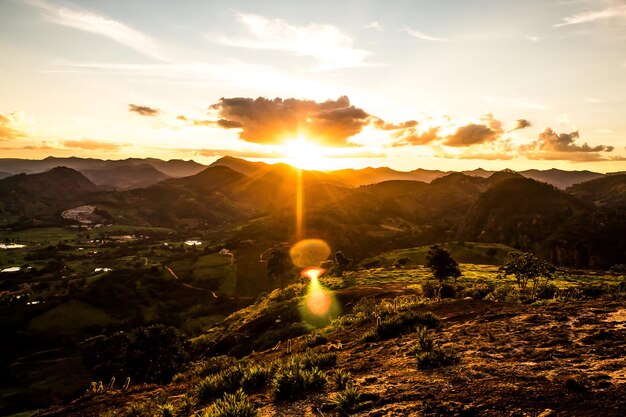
<point x="4" y="174"/>
<point x="125" y="177"/>
<point x="171" y="168"/>
<point x="559" y="178"/>
<point x="27" y="200"/>
<point x="608" y="191"/>
<point x="58" y="183"/>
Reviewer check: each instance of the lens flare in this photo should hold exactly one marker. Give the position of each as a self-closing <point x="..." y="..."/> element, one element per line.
<point x="319" y="303"/>
<point x="309" y="252"/>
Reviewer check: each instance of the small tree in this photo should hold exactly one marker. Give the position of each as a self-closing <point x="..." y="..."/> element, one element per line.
<point x="527" y="268"/>
<point x="441" y="264"/>
<point x="278" y="266"/>
<point x="342" y="262"/>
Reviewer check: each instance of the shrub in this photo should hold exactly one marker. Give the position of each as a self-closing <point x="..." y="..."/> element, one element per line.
<point x="255" y="377"/>
<point x="291" y="382"/>
<point x="504" y="294"/>
<point x="150" y="354"/>
<point x="436" y="357"/>
<point x="347" y="399"/>
<point x="167" y="410"/>
<point x="547" y="291"/>
<point x="399" y="324"/>
<point x="232" y="405"/>
<point x="205" y="367"/>
<point x="228" y="380"/>
<point x="478" y="291"/>
<point x="315" y="340"/>
<point x="341" y="378"/>
<point x="430" y="290"/>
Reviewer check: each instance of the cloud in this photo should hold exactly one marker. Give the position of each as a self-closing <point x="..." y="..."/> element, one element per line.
<point x="266" y="121"/>
<point x="421" y="35"/>
<point x="593" y="15"/>
<point x="92" y="145"/>
<point x="521" y="124"/>
<point x="223" y="123"/>
<point x="476" y="133"/>
<point x="323" y="42"/>
<point x="94" y="23"/>
<point x="411" y="137"/>
<point x="562" y="146"/>
<point x="374" y="25"/>
<point x="551" y="141"/>
<point x="143" y="110"/>
<point x="7" y="129"/>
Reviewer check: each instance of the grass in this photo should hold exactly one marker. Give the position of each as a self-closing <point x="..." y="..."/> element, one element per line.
<point x="346" y="399"/>
<point x="232" y="405"/>
<point x="70" y="317"/>
<point x="429" y="354"/>
<point x="396" y="325"/>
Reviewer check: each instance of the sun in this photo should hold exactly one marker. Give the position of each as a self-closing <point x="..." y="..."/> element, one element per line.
<point x="305" y="154"/>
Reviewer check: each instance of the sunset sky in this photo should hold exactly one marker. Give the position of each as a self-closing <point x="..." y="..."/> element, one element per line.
<point x="408" y="84"/>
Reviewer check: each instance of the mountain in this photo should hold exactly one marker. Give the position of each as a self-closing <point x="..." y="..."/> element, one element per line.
<point x="4" y="174"/>
<point x="559" y="178"/>
<point x="58" y="183"/>
<point x="608" y="191"/>
<point x="28" y="200"/>
<point x="241" y="165"/>
<point x="171" y="168"/>
<point x="125" y="177"/>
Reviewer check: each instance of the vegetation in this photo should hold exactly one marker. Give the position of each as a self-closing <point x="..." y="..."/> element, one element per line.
<point x="528" y="268"/>
<point x="441" y="264"/>
<point x="232" y="405"/>
<point x="429" y="354"/>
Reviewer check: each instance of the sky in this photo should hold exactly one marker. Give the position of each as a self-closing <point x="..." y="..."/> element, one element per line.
<point x="449" y="85"/>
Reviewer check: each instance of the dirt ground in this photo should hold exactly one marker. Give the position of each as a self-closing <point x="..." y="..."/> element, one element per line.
<point x="559" y="359"/>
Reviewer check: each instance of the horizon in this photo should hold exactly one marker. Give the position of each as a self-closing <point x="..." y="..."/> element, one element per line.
<point x="281" y="162"/>
<point x="537" y="85"/>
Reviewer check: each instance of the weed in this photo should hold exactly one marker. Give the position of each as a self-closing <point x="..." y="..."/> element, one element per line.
<point x="347" y="399"/>
<point x="341" y="378"/>
<point x="228" y="380"/>
<point x="399" y="324"/>
<point x="314" y="340"/>
<point x="255" y="377"/>
<point x="291" y="381"/>
<point x="232" y="405"/>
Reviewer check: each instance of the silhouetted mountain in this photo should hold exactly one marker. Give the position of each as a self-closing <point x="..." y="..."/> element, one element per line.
<point x="125" y="177"/>
<point x="608" y="191"/>
<point x="58" y="183"/>
<point x="4" y="174"/>
<point x="559" y="178"/>
<point x="241" y="165"/>
<point x="171" y="168"/>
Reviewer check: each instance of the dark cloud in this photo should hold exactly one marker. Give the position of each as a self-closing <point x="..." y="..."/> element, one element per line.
<point x="521" y="124"/>
<point x="411" y="136"/>
<point x="550" y="141"/>
<point x="143" y="110"/>
<point x="476" y="133"/>
<point x="92" y="145"/>
<point x="268" y="121"/>
<point x="6" y="129"/>
<point x="223" y="123"/>
<point x="471" y="134"/>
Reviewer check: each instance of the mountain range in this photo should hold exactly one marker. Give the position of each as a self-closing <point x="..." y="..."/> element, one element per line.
<point x="584" y="225"/>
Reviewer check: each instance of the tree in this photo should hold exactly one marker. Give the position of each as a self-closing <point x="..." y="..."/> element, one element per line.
<point x="278" y="266"/>
<point x="527" y="268"/>
<point x="441" y="264"/>
<point x="342" y="262"/>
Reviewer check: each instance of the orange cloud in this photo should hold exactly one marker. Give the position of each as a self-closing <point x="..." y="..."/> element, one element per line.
<point x="93" y="145"/>
<point x="266" y="121"/>
<point x="143" y="110"/>
<point x="7" y="131"/>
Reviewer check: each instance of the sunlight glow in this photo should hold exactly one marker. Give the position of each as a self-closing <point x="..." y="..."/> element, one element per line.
<point x="304" y="154"/>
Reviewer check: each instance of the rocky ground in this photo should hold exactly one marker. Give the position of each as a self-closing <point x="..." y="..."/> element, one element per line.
<point x="561" y="359"/>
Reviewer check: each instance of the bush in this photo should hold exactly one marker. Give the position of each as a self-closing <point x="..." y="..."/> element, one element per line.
<point x="397" y="325"/>
<point x="341" y="378"/>
<point x="504" y="294"/>
<point x="478" y="291"/>
<point x="205" y="367"/>
<point x="347" y="399"/>
<point x="436" y="357"/>
<point x="430" y="290"/>
<point x="149" y="354"/>
<point x="232" y="405"/>
<point x="315" y="340"/>
<point x="291" y="382"/>
<point x="228" y="380"/>
<point x="255" y="377"/>
<point x="547" y="291"/>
